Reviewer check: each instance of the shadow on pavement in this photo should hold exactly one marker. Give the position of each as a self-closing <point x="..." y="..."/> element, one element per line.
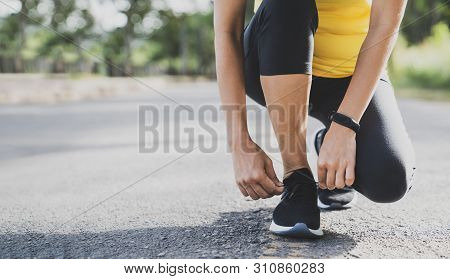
<point x="232" y="235"/>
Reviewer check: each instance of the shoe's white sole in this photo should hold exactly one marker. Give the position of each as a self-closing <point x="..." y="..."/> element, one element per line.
<point x="337" y="206"/>
<point x="299" y="230"/>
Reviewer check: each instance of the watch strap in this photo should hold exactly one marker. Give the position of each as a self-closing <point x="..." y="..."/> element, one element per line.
<point x="345" y="121"/>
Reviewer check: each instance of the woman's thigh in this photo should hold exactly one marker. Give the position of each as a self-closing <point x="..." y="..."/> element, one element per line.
<point x="384" y="156"/>
<point x="279" y="40"/>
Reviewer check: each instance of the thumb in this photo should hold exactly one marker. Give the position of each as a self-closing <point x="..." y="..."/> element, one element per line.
<point x="268" y="166"/>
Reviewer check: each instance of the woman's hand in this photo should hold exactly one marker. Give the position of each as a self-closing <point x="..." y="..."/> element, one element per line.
<point x="337" y="157"/>
<point x="254" y="172"/>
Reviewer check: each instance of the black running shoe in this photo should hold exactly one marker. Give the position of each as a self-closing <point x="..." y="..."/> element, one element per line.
<point x="337" y="198"/>
<point x="297" y="214"/>
<point x="318" y="139"/>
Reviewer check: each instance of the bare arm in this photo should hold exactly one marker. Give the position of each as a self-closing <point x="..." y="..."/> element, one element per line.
<point x="254" y="172"/>
<point x="336" y="164"/>
<point x="228" y="28"/>
<point x="385" y="20"/>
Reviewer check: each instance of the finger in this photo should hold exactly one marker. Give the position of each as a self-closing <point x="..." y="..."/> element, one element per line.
<point x="259" y="190"/>
<point x="350" y="175"/>
<point x="322" y="185"/>
<point x="322" y="176"/>
<point x="331" y="179"/>
<point x="251" y="193"/>
<point x="270" y="187"/>
<point x="340" y="178"/>
<point x="243" y="191"/>
<point x="271" y="173"/>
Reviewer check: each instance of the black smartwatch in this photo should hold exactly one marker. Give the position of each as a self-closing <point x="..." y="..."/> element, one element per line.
<point x="345" y="121"/>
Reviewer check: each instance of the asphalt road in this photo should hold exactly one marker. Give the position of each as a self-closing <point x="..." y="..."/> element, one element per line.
<point x="74" y="185"/>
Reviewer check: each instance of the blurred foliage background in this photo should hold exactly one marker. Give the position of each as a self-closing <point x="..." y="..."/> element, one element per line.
<point x="153" y="37"/>
<point x="131" y="37"/>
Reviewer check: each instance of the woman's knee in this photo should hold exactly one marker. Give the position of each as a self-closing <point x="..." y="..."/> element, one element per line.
<point x="387" y="183"/>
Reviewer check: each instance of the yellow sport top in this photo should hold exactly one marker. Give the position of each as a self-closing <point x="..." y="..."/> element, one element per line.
<point x="343" y="26"/>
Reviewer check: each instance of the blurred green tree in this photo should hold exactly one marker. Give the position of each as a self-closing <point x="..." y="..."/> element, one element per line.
<point x="13" y="35"/>
<point x="421" y="16"/>
<point x="119" y="42"/>
<point x="167" y="36"/>
<point x="185" y="41"/>
<point x="202" y="43"/>
<point x="70" y="27"/>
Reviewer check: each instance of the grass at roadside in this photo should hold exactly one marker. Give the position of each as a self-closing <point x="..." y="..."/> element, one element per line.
<point x="426" y="94"/>
<point x="423" y="70"/>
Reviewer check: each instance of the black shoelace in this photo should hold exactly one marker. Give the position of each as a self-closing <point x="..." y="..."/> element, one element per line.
<point x="297" y="189"/>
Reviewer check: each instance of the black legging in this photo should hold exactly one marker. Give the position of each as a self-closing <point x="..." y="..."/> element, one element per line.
<point x="384" y="153"/>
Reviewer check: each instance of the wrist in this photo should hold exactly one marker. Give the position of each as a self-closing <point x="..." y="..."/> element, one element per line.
<point x="336" y="128"/>
<point x="344" y="121"/>
<point x="350" y="114"/>
<point x="238" y="141"/>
